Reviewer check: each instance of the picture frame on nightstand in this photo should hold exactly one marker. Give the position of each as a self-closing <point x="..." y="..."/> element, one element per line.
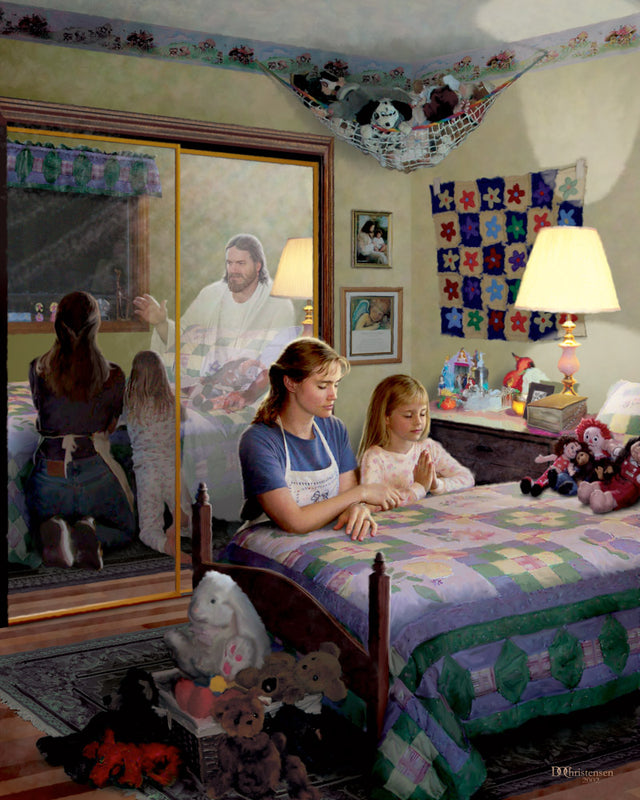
<point x="536" y="392"/>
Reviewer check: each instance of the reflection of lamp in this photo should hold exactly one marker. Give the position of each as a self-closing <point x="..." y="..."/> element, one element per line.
<point x="567" y="273"/>
<point x="294" y="277"/>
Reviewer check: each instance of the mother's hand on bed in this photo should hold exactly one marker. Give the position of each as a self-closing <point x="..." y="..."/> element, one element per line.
<point x="280" y="506"/>
<point x="357" y="522"/>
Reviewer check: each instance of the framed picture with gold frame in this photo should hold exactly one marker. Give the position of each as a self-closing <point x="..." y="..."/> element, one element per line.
<point x="371" y="239"/>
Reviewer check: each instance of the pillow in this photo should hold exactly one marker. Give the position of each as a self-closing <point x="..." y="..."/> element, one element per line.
<point x="621" y="409"/>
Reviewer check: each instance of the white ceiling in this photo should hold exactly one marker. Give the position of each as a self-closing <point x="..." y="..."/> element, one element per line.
<point x="403" y="30"/>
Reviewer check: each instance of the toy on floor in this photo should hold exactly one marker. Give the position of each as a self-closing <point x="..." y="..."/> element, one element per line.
<point x="564" y="451"/>
<point x="129" y="765"/>
<point x="623" y="488"/>
<point x="132" y="717"/>
<point x="224" y="635"/>
<point x="250" y="760"/>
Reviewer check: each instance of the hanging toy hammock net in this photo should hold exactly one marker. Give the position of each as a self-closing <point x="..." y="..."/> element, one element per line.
<point x="413" y="141"/>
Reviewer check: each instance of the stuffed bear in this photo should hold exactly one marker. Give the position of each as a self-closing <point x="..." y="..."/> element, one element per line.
<point x="564" y="451"/>
<point x="250" y="760"/>
<point x="224" y="635"/>
<point x="276" y="679"/>
<point x="315" y="733"/>
<point x="131" y="717"/>
<point x="622" y="489"/>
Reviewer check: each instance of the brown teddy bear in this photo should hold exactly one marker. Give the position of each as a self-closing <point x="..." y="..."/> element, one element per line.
<point x="276" y="679"/>
<point x="316" y="733"/>
<point x="250" y="760"/>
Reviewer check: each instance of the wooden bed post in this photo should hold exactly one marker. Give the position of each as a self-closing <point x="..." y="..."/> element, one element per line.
<point x="201" y="531"/>
<point x="379" y="595"/>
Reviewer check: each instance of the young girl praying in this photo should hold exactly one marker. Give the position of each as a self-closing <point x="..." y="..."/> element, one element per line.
<point x="151" y="423"/>
<point x="395" y="448"/>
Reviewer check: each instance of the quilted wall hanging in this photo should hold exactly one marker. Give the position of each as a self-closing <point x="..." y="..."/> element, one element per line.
<point x="484" y="232"/>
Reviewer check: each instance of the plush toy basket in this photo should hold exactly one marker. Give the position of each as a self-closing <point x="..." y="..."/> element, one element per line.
<point x="197" y="739"/>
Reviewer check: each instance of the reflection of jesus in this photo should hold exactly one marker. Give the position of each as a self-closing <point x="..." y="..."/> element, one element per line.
<point x="238" y="307"/>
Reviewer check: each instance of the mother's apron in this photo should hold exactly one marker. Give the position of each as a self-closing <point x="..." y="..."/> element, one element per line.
<point x="307" y="486"/>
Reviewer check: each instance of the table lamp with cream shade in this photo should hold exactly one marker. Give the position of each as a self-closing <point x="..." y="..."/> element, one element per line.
<point x="567" y="272"/>
<point x="294" y="277"/>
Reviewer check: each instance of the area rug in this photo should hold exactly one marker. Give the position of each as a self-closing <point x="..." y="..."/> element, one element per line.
<point x="60" y="689"/>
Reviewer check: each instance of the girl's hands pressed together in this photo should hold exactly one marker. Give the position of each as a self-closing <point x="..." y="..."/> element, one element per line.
<point x="424" y="471"/>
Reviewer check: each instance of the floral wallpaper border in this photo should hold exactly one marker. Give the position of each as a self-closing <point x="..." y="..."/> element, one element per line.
<point x="68" y="29"/>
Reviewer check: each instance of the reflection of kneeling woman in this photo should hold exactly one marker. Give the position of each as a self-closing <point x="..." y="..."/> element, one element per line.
<point x="77" y="495"/>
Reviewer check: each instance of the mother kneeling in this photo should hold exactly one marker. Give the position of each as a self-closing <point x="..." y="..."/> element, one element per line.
<point x="298" y="467"/>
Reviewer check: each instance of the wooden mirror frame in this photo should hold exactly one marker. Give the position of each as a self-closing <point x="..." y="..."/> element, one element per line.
<point x="205" y="136"/>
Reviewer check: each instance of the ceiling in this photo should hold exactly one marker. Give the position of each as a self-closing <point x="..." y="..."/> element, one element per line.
<point x="404" y="30"/>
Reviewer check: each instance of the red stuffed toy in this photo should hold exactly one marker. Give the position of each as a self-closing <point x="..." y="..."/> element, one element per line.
<point x="565" y="450"/>
<point x="622" y="489"/>
<point x="128" y="764"/>
<point x="598" y="438"/>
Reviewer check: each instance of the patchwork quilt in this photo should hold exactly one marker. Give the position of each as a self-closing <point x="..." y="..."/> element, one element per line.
<point x="484" y="232"/>
<point x="503" y="607"/>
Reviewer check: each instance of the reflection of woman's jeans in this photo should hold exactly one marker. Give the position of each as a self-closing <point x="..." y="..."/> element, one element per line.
<point x="89" y="490"/>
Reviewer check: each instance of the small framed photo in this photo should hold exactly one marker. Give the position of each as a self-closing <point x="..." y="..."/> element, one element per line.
<point x="537" y="391"/>
<point x="371" y="239"/>
<point x="372" y="325"/>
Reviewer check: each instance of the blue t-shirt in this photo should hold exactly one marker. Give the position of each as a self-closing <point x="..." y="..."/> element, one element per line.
<point x="263" y="458"/>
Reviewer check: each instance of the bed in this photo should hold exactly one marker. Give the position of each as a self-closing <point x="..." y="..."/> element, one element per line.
<point x="494" y="608"/>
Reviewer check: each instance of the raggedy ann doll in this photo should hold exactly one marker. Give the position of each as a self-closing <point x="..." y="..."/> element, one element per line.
<point x="598" y="438"/>
<point x="622" y="489"/>
<point x="565" y="450"/>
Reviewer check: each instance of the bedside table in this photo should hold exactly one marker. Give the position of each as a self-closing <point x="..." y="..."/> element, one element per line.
<point x="496" y="446"/>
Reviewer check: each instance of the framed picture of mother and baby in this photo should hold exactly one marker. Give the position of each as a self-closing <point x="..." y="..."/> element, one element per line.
<point x="371" y="239"/>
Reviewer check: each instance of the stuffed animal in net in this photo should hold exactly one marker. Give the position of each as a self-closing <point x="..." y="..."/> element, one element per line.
<point x="564" y="451"/>
<point x="622" y="489"/>
<point x="249" y="759"/>
<point x="132" y="716"/>
<point x="224" y="634"/>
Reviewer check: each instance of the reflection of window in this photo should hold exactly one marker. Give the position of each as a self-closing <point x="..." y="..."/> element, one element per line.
<point x="77" y="219"/>
<point x="60" y="242"/>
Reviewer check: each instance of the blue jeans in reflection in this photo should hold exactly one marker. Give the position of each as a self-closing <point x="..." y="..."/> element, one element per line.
<point x="89" y="490"/>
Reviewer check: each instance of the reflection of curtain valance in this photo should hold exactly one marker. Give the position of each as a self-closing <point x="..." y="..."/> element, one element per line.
<point x="82" y="170"/>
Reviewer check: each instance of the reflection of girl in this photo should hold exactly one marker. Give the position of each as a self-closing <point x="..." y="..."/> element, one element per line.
<point x="78" y="497"/>
<point x="151" y="422"/>
<point x="395" y="448"/>
<point x="297" y="463"/>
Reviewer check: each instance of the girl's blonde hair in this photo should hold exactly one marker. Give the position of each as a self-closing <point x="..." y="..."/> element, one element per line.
<point x="148" y="392"/>
<point x="394" y="391"/>
<point x="300" y="359"/>
<point x="74" y="366"/>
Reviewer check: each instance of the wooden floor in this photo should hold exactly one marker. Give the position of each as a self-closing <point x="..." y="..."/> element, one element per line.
<point x="24" y="775"/>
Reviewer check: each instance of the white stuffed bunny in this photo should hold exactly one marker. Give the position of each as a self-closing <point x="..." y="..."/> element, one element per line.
<point x="224" y="635"/>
